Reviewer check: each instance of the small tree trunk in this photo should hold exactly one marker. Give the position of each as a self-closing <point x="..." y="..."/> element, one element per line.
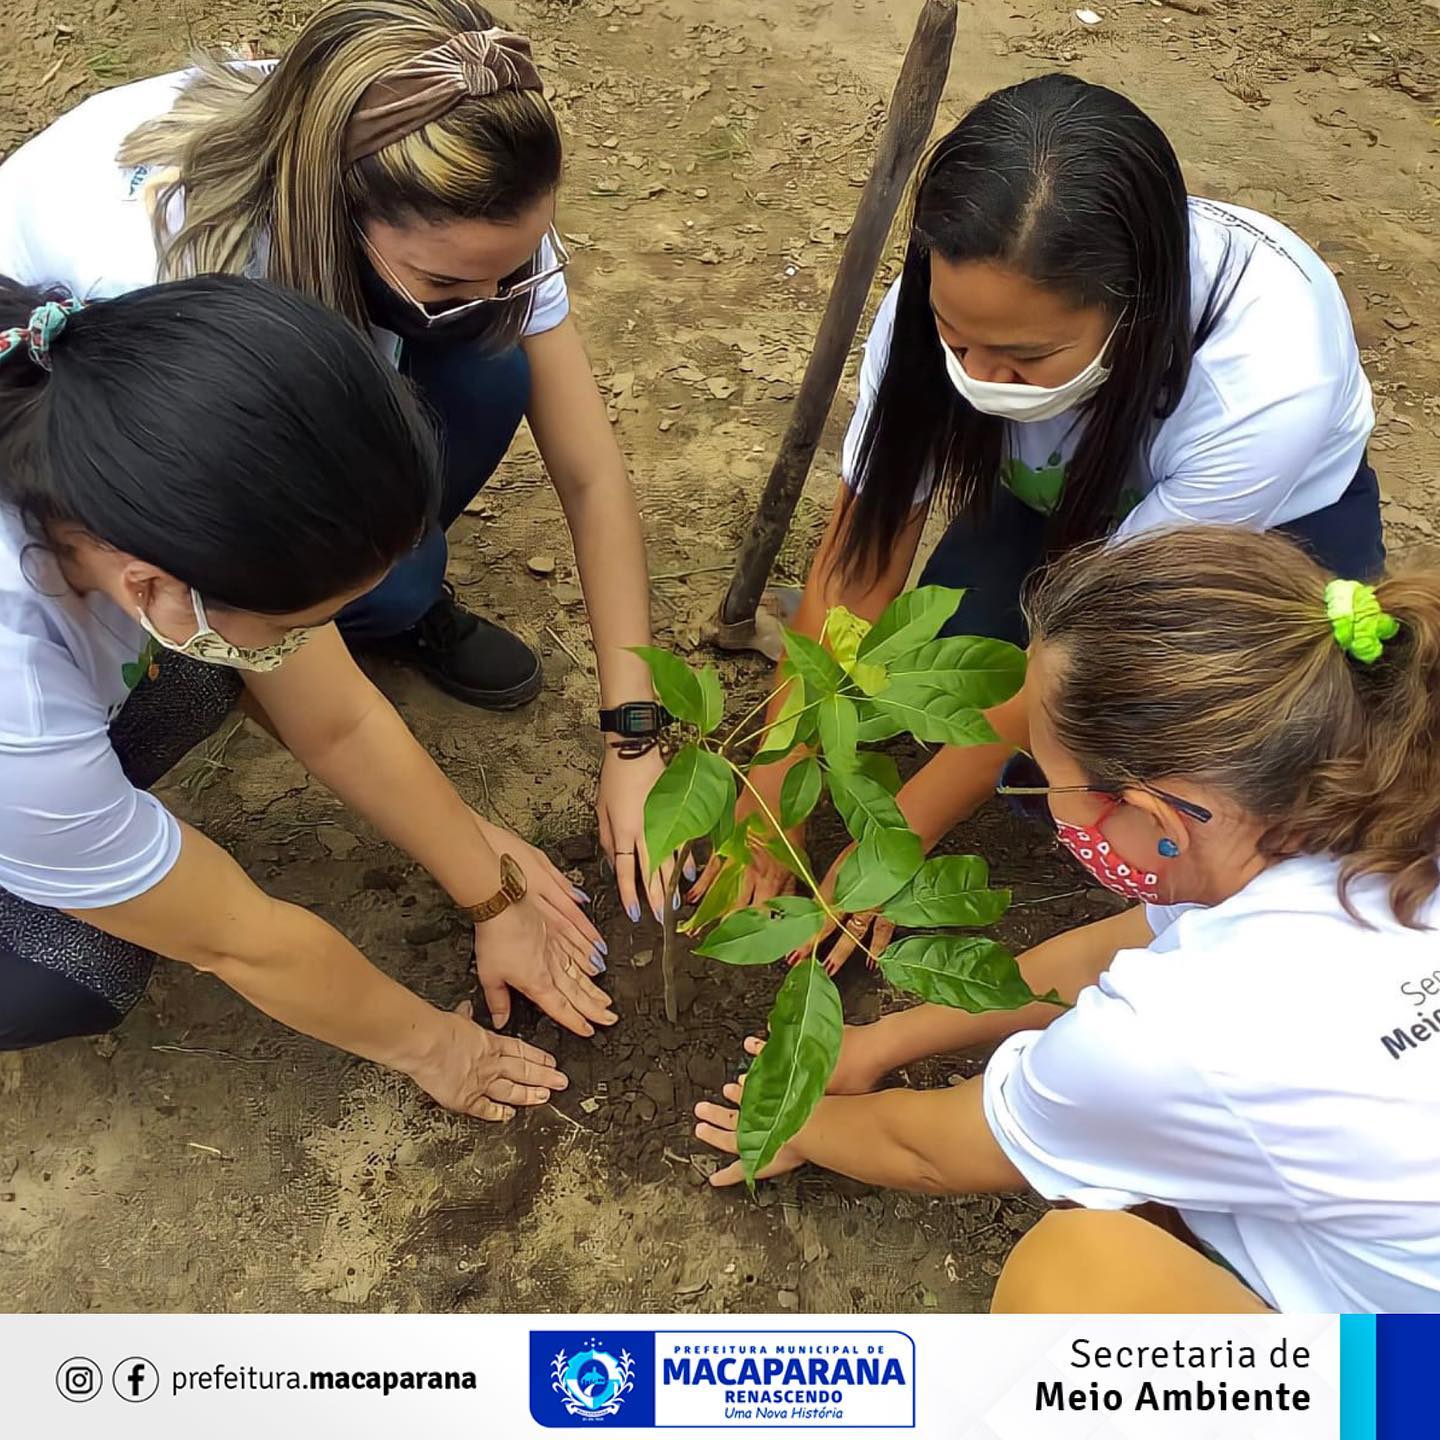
<point x="912" y="115"/>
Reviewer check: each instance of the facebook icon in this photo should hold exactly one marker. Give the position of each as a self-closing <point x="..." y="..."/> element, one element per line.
<point x="135" y="1379"/>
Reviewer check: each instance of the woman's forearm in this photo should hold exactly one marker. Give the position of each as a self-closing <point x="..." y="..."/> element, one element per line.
<point x="304" y="973"/>
<point x="1066" y="964"/>
<point x="382" y="772"/>
<point x="934" y="1141"/>
<point x="610" y="556"/>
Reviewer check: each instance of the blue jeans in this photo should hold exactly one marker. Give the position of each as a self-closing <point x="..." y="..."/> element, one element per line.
<point x="477" y="401"/>
<point x="992" y="558"/>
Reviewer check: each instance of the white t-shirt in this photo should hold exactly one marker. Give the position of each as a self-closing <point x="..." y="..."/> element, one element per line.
<point x="74" y="832"/>
<point x="1274" y="419"/>
<point x="72" y="215"/>
<point x="1269" y="1067"/>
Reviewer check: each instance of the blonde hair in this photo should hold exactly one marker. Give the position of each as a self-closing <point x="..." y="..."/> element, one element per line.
<point x="1206" y="653"/>
<point x="259" y="159"/>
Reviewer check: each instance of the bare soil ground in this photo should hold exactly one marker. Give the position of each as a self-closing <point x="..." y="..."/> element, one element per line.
<point x="203" y="1158"/>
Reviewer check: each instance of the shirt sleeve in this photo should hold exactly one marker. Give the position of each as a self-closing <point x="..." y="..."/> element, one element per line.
<point x="75" y="834"/>
<point x="1236" y="462"/>
<point x="550" y="304"/>
<point x="1102" y="1110"/>
<point x="872" y="372"/>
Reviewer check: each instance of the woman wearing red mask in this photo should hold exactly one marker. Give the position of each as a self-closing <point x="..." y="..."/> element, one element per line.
<point x="1250" y="748"/>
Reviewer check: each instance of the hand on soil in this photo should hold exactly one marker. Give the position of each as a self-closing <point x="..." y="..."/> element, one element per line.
<point x="535" y="951"/>
<point x="848" y="932"/>
<point x="477" y="1073"/>
<point x="766" y="877"/>
<point x="620" y="810"/>
<point x="717" y="1128"/>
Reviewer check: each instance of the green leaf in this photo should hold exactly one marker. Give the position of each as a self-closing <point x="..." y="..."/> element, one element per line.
<point x="880" y="768"/>
<point x="721" y="831"/>
<point x="789" y="1076"/>
<point x="879" y="866"/>
<point x="949" y="890"/>
<point x="927" y="715"/>
<point x="843" y="633"/>
<point x="764" y="933"/>
<point x="979" y="672"/>
<point x="686" y="802"/>
<point x="712" y="700"/>
<point x="799" y="792"/>
<point x="966" y="972"/>
<point x="908" y="622"/>
<point x="719" y="898"/>
<point x="778" y="739"/>
<point x="779" y="851"/>
<point x="737" y="847"/>
<point x="864" y="802"/>
<point x="839" y="731"/>
<point x="677" y="685"/>
<point x="815" y="665"/>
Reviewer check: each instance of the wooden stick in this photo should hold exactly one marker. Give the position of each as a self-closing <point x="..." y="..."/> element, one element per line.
<point x="912" y="114"/>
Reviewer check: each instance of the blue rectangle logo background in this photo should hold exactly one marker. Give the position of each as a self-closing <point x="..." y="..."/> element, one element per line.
<point x="592" y="1378"/>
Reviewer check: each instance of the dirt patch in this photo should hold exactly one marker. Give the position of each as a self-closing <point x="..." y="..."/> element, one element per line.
<point x="204" y="1159"/>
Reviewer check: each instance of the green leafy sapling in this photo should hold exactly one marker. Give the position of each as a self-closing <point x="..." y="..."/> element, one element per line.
<point x="860" y="684"/>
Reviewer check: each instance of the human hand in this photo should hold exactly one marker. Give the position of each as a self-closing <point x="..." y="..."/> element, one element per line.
<point x="871" y="931"/>
<point x="558" y="900"/>
<point x="717" y="1127"/>
<point x="620" y="808"/>
<point x="475" y="1072"/>
<point x="765" y="877"/>
<point x="520" y="949"/>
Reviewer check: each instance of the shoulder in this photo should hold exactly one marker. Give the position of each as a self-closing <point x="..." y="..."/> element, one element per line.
<point x="882" y="333"/>
<point x="73" y="214"/>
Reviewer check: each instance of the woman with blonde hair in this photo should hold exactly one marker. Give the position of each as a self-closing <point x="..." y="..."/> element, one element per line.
<point x="399" y="164"/>
<point x="1252" y="751"/>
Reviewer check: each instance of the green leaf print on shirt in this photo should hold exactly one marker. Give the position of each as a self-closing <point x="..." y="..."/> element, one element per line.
<point x="1039" y="489"/>
<point x="144" y="664"/>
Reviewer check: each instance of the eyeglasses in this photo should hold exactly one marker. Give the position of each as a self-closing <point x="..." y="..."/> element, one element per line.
<point x="1027" y="789"/>
<point x="442" y="312"/>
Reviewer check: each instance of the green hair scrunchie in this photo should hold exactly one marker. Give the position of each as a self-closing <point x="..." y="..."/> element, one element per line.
<point x="1361" y="627"/>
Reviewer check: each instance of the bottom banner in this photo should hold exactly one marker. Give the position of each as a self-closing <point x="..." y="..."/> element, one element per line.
<point x="957" y="1377"/>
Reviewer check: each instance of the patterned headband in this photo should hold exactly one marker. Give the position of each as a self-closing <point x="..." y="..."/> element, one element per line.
<point x="475" y="62"/>
<point x="38" y="334"/>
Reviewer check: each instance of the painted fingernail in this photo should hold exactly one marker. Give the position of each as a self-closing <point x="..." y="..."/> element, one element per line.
<point x="579" y="894"/>
<point x="597" y="965"/>
<point x="633" y="911"/>
<point x="602" y="947"/>
<point x="690" y="871"/>
<point x="675" y="901"/>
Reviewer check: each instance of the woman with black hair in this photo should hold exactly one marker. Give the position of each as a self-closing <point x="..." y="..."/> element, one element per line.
<point x="194" y="480"/>
<point x="1077" y="348"/>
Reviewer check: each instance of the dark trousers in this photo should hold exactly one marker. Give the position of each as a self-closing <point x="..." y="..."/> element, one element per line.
<point x="477" y="401"/>
<point x="992" y="558"/>
<point x="58" y="975"/>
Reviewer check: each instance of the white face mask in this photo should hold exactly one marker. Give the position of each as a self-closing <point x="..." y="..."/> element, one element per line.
<point x="214" y="649"/>
<point x="1027" y="403"/>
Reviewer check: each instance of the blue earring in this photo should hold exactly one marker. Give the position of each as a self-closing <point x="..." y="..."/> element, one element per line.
<point x="1168" y="848"/>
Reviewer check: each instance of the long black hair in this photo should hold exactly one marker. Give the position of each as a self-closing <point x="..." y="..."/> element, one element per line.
<point x="243" y="438"/>
<point x="1077" y="189"/>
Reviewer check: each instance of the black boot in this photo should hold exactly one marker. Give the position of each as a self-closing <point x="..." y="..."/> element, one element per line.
<point x="467" y="657"/>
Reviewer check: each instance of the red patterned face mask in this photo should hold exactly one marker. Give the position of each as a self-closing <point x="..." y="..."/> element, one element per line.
<point x="1095" y="853"/>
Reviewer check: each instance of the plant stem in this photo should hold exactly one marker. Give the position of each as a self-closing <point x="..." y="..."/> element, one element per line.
<point x="669" y="915"/>
<point x="752" y="713"/>
<point x="770" y="725"/>
<point x="798" y="860"/>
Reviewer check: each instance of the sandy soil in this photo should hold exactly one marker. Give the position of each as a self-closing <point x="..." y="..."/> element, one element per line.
<point x="204" y="1159"/>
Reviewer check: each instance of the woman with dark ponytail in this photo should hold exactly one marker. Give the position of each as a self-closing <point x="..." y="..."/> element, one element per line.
<point x="1077" y="349"/>
<point x="195" y="479"/>
<point x="1240" y="1096"/>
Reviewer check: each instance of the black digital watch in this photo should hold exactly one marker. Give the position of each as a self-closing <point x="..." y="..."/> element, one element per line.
<point x="638" y="723"/>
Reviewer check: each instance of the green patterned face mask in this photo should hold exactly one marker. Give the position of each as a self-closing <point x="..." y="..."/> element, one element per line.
<point x="213" y="648"/>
